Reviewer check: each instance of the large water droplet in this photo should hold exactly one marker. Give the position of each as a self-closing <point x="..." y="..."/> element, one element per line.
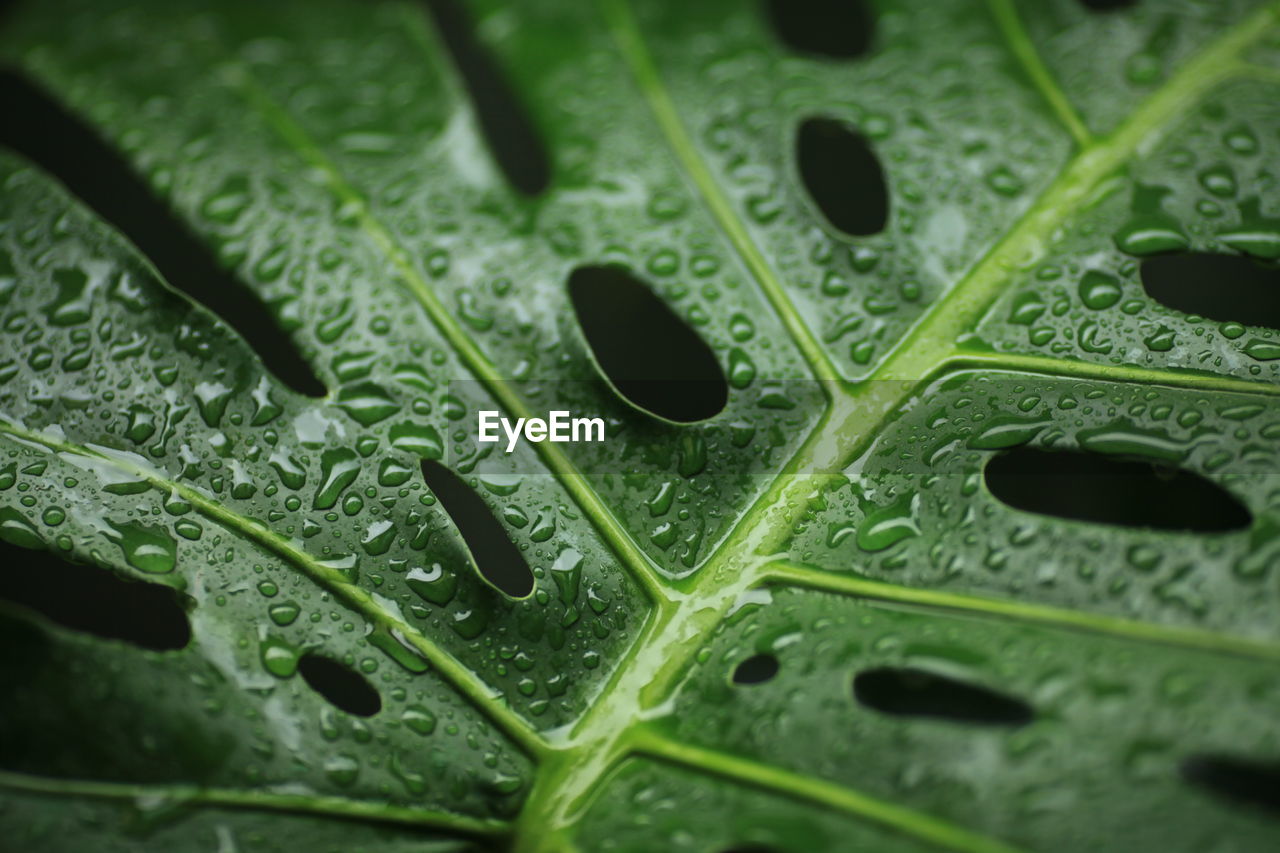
<point x="148" y="549"/>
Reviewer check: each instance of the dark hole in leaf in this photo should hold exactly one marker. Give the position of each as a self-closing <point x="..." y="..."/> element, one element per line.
<point x="40" y="129"/>
<point x="908" y="692"/>
<point x="92" y="599"/>
<point x="842" y="175"/>
<point x="1220" y="287"/>
<point x="497" y="557"/>
<point x="1111" y="490"/>
<point x="27" y="649"/>
<point x="837" y="29"/>
<point x="756" y="669"/>
<point x="646" y="350"/>
<point x="1107" y="5"/>
<point x="512" y="137"/>
<point x="344" y="687"/>
<point x="1244" y="781"/>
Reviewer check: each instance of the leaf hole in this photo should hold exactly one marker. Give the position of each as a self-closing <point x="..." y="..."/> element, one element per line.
<point x="508" y="130"/>
<point x="842" y="175"/>
<point x="1108" y="5"/>
<point x="1239" y="780"/>
<point x="1110" y="490"/>
<point x="910" y="692"/>
<point x="72" y="152"/>
<point x="648" y="353"/>
<point x="94" y="600"/>
<point x="345" y="688"/>
<point x="496" y="557"/>
<point x="834" y="29"/>
<point x="1229" y="288"/>
<point x="756" y="669"/>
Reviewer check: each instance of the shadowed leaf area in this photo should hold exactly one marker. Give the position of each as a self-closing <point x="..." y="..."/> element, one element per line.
<point x="931" y="359"/>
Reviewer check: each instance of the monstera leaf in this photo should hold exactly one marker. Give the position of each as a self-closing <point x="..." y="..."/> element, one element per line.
<point x="935" y="346"/>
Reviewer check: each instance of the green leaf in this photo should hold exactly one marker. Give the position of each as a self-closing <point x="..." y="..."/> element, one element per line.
<point x="933" y="667"/>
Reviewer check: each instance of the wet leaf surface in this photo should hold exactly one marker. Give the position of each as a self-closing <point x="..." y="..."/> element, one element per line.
<point x="801" y="611"/>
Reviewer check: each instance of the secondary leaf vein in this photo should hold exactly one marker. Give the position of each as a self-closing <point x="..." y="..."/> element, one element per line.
<point x="622" y="23"/>
<point x="255" y="800"/>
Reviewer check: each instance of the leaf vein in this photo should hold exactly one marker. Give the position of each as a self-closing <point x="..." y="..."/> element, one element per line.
<point x="255" y="800"/>
<point x="1015" y="35"/>
<point x="626" y="33"/>
<point x="844" y="583"/>
<point x="819" y="791"/>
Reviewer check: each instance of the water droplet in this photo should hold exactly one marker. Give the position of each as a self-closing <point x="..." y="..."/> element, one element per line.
<point x="278" y="657"/>
<point x="342" y="769"/>
<point x="1219" y="180"/>
<point x="1099" y="290"/>
<point x="283" y="613"/>
<point x="147" y="549"/>
<point x="366" y="402"/>
<point x="887" y="526"/>
<point x="338" y="469"/>
<point x="418" y="439"/>
<point x="567" y="573"/>
<point x="419" y="719"/>
<point x="16" y="529"/>
<point x="434" y="585"/>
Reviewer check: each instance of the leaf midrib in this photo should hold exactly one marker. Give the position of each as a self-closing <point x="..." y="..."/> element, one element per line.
<point x="855" y="416"/>
<point x="843" y="435"/>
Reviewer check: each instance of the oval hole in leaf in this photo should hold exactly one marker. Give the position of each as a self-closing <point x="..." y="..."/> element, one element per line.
<point x="345" y="688"/>
<point x="71" y="151"/>
<point x="1107" y="5"/>
<point x="909" y="692"/>
<point x="1111" y="490"/>
<point x="1250" y="783"/>
<point x="756" y="669"/>
<point x="510" y="134"/>
<point x="497" y="558"/>
<point x="842" y="175"/>
<point x="1220" y="287"/>
<point x="649" y="354"/>
<point x="836" y="29"/>
<point x="95" y="600"/>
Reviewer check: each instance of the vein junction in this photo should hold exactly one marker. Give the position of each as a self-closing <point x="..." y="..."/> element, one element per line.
<point x="574" y="764"/>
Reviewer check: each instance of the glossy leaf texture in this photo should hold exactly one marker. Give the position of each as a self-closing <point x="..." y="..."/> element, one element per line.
<point x="846" y="587"/>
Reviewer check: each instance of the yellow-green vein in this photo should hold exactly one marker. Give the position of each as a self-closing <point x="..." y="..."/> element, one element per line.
<point x="1020" y="44"/>
<point x="917" y="353"/>
<point x="1261" y="73"/>
<point x="625" y="31"/>
<point x="256" y="800"/>
<point x="788" y="783"/>
<point x="843" y="583"/>
<point x="1069" y="367"/>
<point x="854" y="419"/>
